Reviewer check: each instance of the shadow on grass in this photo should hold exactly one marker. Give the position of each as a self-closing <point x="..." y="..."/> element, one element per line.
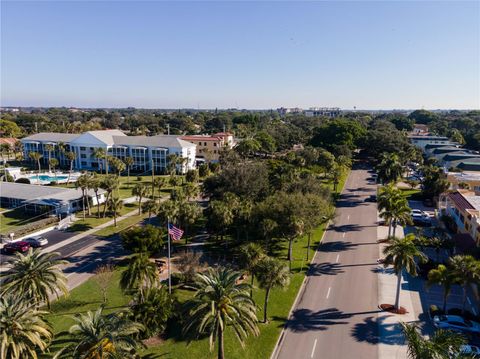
<point x="79" y="227"/>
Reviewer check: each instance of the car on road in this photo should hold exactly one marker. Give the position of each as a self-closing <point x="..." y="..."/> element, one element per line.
<point x="37" y="241"/>
<point x="420" y="218"/>
<point x="457" y="323"/>
<point x="13" y="247"/>
<point x="470" y="351"/>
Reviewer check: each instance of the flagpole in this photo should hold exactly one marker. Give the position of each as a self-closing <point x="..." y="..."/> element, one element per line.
<point x="169" y="272"/>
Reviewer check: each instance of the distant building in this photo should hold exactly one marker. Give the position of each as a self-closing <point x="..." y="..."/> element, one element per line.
<point x="420" y="130"/>
<point x="145" y="150"/>
<point x="459" y="179"/>
<point x="323" y="111"/>
<point x="209" y="147"/>
<point x="423" y="141"/>
<point x="284" y="111"/>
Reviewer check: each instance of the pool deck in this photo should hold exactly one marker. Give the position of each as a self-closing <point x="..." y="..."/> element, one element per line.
<point x="61" y="177"/>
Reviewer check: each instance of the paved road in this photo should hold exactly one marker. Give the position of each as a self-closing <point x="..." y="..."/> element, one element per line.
<point x="336" y="314"/>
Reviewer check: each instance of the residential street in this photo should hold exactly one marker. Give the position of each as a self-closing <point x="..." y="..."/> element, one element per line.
<point x="336" y="314"/>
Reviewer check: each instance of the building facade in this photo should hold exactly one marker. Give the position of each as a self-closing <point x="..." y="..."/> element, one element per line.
<point x="423" y="141"/>
<point x="209" y="147"/>
<point x="147" y="151"/>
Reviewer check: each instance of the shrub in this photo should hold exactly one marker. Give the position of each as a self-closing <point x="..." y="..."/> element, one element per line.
<point x="178" y="278"/>
<point x="139" y="178"/>
<point x="192" y="176"/>
<point x="35" y="226"/>
<point x="148" y="239"/>
<point x="23" y="180"/>
<point x="8" y="177"/>
<point x="53" y="183"/>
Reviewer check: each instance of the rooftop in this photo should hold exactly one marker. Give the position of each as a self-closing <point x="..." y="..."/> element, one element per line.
<point x="52" y="136"/>
<point x="160" y="141"/>
<point x="415" y="137"/>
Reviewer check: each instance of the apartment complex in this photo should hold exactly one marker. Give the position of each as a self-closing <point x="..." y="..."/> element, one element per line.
<point x="209" y="147"/>
<point x="463" y="206"/>
<point x="146" y="151"/>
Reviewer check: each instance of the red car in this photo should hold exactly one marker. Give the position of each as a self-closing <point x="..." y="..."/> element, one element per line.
<point x="13" y="247"/>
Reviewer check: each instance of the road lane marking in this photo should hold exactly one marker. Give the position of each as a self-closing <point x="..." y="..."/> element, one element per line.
<point x="348" y="217"/>
<point x="328" y="292"/>
<point x="343" y="235"/>
<point x="338" y="256"/>
<point x="313" y="349"/>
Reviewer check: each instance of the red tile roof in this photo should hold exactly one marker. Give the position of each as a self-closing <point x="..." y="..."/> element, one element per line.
<point x="9" y="140"/>
<point x="460" y="202"/>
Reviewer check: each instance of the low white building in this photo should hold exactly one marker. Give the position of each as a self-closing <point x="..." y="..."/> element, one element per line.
<point x="422" y="141"/>
<point x="146" y="151"/>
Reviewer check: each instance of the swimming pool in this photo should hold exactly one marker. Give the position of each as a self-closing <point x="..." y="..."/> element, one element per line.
<point x="48" y="178"/>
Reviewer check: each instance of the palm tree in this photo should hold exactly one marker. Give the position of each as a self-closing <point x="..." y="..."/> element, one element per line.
<point x="141" y="191"/>
<point x="53" y="163"/>
<point x="151" y="206"/>
<point x="35" y="156"/>
<point x="35" y="276"/>
<point x="83" y="182"/>
<point x="390" y="168"/>
<point x="401" y="213"/>
<point x="442" y="344"/>
<point x="444" y="277"/>
<point x="387" y="197"/>
<point x="401" y="253"/>
<point x="168" y="211"/>
<point x="220" y="301"/>
<point x="250" y="256"/>
<point x="129" y="161"/>
<point x="71" y="156"/>
<point x="158" y="182"/>
<point x="221" y="216"/>
<point x="191" y="190"/>
<point x="188" y="214"/>
<point x="100" y="336"/>
<point x="118" y="164"/>
<point x="466" y="270"/>
<point x="95" y="183"/>
<point x="23" y="332"/>
<point x="49" y="148"/>
<point x="140" y="271"/>
<point x="109" y="184"/>
<point x="271" y="273"/>
<point x="99" y="153"/>
<point x="115" y="206"/>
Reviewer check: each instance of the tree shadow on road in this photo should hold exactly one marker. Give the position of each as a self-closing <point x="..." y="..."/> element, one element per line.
<point x="326" y="268"/>
<point x="374" y="331"/>
<point x="337" y="246"/>
<point x="304" y="319"/>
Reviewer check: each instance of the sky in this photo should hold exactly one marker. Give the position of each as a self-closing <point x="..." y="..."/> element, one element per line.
<point x="255" y="55"/>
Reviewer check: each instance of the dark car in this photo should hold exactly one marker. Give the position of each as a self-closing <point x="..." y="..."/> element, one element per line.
<point x="20" y="246"/>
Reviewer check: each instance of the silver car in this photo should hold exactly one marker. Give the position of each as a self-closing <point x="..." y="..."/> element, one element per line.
<point x="37" y="241"/>
<point x="455" y="322"/>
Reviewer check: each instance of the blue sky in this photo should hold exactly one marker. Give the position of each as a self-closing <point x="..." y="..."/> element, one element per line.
<point x="372" y="55"/>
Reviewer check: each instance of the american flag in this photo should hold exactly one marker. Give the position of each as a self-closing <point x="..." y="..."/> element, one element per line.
<point x="175" y="232"/>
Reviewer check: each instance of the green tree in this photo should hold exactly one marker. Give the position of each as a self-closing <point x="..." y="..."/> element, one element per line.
<point x="146" y="239"/>
<point x="466" y="270"/>
<point x="109" y="184"/>
<point x="390" y="168"/>
<point x="95" y="183"/>
<point x="220" y="216"/>
<point x="434" y="182"/>
<point x="248" y="147"/>
<point x="140" y="272"/>
<point x="442" y="344"/>
<point x="35" y="276"/>
<point x="402" y="253"/>
<point x="150" y="206"/>
<point x="10" y="128"/>
<point x="250" y="256"/>
<point x="140" y="191"/>
<point x="23" y="332"/>
<point x="192" y="176"/>
<point x="271" y="273"/>
<point x="100" y="154"/>
<point x="71" y="156"/>
<point x="388" y="196"/>
<point x="115" y="206"/>
<point x="96" y="335"/>
<point x="83" y="182"/>
<point x="220" y="301"/>
<point x="53" y="163"/>
<point x="401" y="214"/>
<point x="444" y="277"/>
<point x="152" y="307"/>
<point x="49" y="148"/>
<point x="35" y="156"/>
<point x="188" y="214"/>
<point x="129" y="161"/>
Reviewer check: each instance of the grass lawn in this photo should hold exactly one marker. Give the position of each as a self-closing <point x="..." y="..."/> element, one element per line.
<point x="11" y="220"/>
<point x="413" y="194"/>
<point x="88" y="297"/>
<point x="92" y="221"/>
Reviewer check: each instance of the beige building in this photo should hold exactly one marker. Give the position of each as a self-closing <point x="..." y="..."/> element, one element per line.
<point x="209" y="147"/>
<point x="465" y="180"/>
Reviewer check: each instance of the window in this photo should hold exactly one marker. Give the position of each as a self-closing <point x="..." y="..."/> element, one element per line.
<point x="204" y="143"/>
<point x="215" y="144"/>
<point x="83" y="155"/>
<point x="82" y="148"/>
<point x="84" y="163"/>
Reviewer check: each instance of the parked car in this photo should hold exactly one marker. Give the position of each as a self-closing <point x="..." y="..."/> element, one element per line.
<point x="455" y="322"/>
<point x="470" y="351"/>
<point x="37" y="241"/>
<point x="13" y="247"/>
<point x="421" y="218"/>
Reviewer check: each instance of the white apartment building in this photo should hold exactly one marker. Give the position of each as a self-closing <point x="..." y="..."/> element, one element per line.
<point x="147" y="151"/>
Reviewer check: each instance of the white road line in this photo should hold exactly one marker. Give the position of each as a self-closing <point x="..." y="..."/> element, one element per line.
<point x="313" y="349"/>
<point x="348" y="217"/>
<point x="468" y="300"/>
<point x="338" y="257"/>
<point x="328" y="292"/>
<point x="343" y="235"/>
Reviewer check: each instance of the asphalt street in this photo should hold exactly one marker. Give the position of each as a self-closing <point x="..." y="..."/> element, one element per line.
<point x="336" y="314"/>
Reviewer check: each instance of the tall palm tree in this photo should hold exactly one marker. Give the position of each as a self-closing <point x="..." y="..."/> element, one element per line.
<point x="271" y="273"/>
<point x="442" y="344"/>
<point x="95" y="183"/>
<point x="140" y="191"/>
<point x="49" y="148"/>
<point x="140" y="271"/>
<point x="99" y="336"/>
<point x="220" y="301"/>
<point x="109" y="184"/>
<point x="71" y="156"/>
<point x="250" y="256"/>
<point x="115" y="206"/>
<point x="36" y="156"/>
<point x="390" y="168"/>
<point x="401" y="253"/>
<point x="401" y="213"/>
<point x="100" y="154"/>
<point x="35" y="276"/>
<point x="158" y="183"/>
<point x="129" y="161"/>
<point x="23" y="332"/>
<point x="444" y="277"/>
<point x="151" y="206"/>
<point x="53" y="163"/>
<point x="387" y="196"/>
<point x="83" y="183"/>
<point x="168" y="211"/>
<point x="466" y="270"/>
<point x="188" y="214"/>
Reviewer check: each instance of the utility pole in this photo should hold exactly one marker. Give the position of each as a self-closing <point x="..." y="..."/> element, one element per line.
<point x="153" y="181"/>
<point x="168" y="129"/>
